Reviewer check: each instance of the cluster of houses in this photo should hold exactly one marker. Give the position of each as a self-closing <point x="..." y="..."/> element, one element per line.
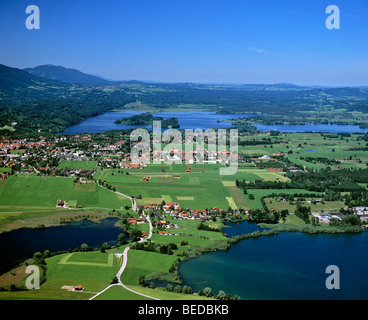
<point x="110" y="154"/>
<point x="199" y="154"/>
<point x="294" y="169"/>
<point x="3" y="176"/>
<point x="165" y="233"/>
<point x="173" y="209"/>
<point x="73" y="288"/>
<point x="61" y="204"/>
<point x="170" y="206"/>
<point x="49" y="152"/>
<point x="362" y="212"/>
<point x="314" y="201"/>
<point x="128" y="165"/>
<point x="13" y="152"/>
<point x="65" y="205"/>
<point x="136" y="221"/>
<point x="325" y="217"/>
<point x="84" y="175"/>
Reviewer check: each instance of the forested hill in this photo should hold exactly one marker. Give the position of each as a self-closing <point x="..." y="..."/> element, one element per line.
<point x="60" y="73"/>
<point x="277" y="99"/>
<point x="40" y="105"/>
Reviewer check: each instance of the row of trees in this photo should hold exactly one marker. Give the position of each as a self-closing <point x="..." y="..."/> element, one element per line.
<point x="343" y="180"/>
<point x="150" y="246"/>
<point x="203" y="226"/>
<point x="206" y="292"/>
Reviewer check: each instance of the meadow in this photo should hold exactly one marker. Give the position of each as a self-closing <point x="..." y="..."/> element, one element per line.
<point x="307" y="144"/>
<point x="28" y="198"/>
<point x="78" y="165"/>
<point x="328" y="206"/>
<point x="93" y="270"/>
<point x="31" y="191"/>
<point x="201" y="188"/>
<point x="120" y="293"/>
<point x="259" y="193"/>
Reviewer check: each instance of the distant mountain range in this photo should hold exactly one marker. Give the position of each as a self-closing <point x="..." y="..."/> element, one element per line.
<point x="68" y="75"/>
<point x="63" y="74"/>
<point x="60" y="73"/>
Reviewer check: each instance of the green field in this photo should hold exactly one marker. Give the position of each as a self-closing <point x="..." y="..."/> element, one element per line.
<point x="29" y="200"/>
<point x="78" y="165"/>
<point x="145" y="264"/>
<point x="313" y="145"/>
<point x="259" y="193"/>
<point x="328" y="206"/>
<point x="33" y="192"/>
<point x="200" y="189"/>
<point x="119" y="293"/>
<point x="93" y="270"/>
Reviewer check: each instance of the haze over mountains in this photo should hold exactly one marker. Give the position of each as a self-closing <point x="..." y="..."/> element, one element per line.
<point x="63" y="74"/>
<point x="69" y="75"/>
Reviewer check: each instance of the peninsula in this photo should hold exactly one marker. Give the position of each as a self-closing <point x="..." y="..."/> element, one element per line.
<point x="147" y="118"/>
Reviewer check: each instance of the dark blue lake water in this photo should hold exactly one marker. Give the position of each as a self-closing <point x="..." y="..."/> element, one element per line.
<point x="19" y="245"/>
<point x="187" y="120"/>
<point x="284" y="266"/>
<point x="196" y="120"/>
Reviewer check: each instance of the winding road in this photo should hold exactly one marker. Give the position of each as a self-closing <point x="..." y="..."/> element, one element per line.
<point x="125" y="254"/>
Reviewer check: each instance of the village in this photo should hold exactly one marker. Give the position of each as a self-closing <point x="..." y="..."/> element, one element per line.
<point x="80" y="156"/>
<point x="159" y="214"/>
<point x="43" y="155"/>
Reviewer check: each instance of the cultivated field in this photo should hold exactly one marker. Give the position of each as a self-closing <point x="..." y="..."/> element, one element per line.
<point x="201" y="188"/>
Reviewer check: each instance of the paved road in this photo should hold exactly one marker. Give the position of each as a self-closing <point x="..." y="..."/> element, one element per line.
<point x="125" y="256"/>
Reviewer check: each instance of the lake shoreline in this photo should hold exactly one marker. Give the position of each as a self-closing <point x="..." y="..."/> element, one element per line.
<point x="254" y="238"/>
<point x="57" y="238"/>
<point x="194" y="119"/>
<point x="70" y="217"/>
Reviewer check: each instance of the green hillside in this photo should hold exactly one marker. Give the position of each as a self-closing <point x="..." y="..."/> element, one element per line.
<point x="40" y="105"/>
<point x="60" y="73"/>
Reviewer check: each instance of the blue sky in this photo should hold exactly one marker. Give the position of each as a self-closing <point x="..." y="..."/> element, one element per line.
<point x="215" y="41"/>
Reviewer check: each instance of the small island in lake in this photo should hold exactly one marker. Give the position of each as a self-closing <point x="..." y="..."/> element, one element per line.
<point x="147" y="118"/>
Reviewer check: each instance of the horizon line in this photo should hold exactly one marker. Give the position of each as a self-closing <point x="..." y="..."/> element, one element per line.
<point x="285" y="83"/>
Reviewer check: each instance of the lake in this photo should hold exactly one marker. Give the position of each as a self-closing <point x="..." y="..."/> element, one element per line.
<point x="18" y="245"/>
<point x="187" y="120"/>
<point x="196" y="120"/>
<point x="328" y="128"/>
<point x="287" y="266"/>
